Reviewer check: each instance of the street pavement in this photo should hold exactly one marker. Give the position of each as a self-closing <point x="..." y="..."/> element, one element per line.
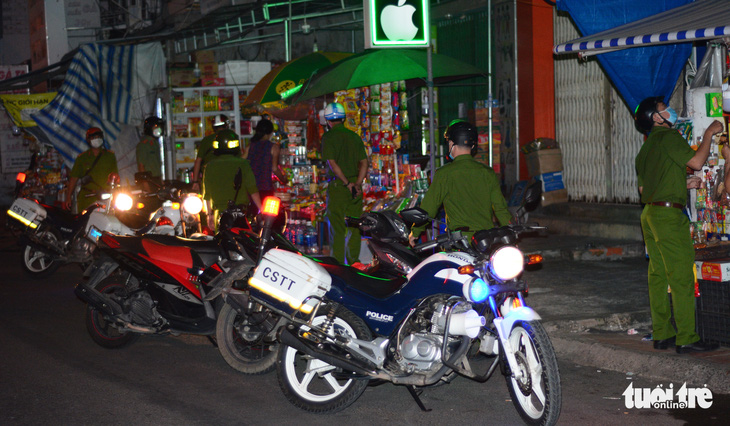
<point x="592" y="295"/>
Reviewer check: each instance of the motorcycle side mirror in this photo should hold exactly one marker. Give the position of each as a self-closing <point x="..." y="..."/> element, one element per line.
<point x="533" y="196"/>
<point x="237" y="180"/>
<point x="416" y="216"/>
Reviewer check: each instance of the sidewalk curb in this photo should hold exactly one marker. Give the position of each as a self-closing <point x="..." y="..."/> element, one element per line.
<point x="664" y="366"/>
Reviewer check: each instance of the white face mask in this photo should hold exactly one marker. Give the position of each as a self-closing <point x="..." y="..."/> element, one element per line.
<point x="96" y="143"/>
<point x="157" y="132"/>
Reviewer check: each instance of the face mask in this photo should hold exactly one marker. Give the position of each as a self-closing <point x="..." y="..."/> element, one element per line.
<point x="96" y="143"/>
<point x="157" y="132"/>
<point x="451" y="148"/>
<point x="672" y="116"/>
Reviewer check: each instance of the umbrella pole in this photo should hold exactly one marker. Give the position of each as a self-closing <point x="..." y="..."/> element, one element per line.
<point x="431" y="127"/>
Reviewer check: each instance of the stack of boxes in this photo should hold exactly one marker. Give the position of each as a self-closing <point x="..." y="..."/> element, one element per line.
<point x="204" y="71"/>
<point x="546" y="165"/>
<point x="713" y="302"/>
<point x="480" y="117"/>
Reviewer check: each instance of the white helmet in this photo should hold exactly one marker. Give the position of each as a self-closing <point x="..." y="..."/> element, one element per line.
<point x="334" y="111"/>
<point x="220" y="120"/>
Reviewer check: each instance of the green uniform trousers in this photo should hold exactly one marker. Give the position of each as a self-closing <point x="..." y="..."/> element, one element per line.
<point x="340" y="204"/>
<point x="671" y="259"/>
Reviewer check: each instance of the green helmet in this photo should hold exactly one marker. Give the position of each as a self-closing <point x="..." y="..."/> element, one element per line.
<point x="226" y="142"/>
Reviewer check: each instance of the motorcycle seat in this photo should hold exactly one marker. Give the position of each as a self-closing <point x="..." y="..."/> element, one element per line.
<point x="372" y="286"/>
<point x="199" y="246"/>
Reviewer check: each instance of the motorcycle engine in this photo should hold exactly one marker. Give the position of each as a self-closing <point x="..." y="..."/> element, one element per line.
<point x="421" y="348"/>
<point x="82" y="248"/>
<point x="142" y="311"/>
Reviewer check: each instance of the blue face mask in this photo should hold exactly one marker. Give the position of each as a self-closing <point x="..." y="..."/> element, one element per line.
<point x="451" y="157"/>
<point x="672" y="116"/>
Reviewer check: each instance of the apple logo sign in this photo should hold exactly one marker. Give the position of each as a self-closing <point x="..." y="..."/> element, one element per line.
<point x="397" y="21"/>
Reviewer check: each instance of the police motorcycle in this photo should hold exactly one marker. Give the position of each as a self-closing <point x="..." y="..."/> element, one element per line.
<point x="345" y="329"/>
<point x="51" y="236"/>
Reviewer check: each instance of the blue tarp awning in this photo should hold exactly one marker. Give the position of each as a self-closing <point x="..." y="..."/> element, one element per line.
<point x="700" y="20"/>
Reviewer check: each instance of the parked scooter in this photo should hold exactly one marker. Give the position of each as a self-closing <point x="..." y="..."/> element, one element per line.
<point x="345" y="329"/>
<point x="51" y="236"/>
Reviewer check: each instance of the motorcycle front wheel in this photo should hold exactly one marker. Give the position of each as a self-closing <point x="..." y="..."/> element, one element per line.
<point x="39" y="264"/>
<point x="102" y="331"/>
<point x="312" y="384"/>
<point x="242" y="339"/>
<point x="535" y="384"/>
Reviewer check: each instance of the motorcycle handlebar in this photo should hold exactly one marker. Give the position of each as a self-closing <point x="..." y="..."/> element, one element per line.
<point x="428" y="245"/>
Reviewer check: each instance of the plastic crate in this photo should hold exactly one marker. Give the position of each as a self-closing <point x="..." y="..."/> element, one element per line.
<point x="713" y="312"/>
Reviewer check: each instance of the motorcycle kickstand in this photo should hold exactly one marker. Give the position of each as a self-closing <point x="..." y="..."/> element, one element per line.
<point x="213" y="340"/>
<point x="415" y="394"/>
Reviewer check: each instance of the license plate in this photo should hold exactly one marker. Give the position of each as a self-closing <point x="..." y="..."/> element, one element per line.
<point x="25" y="216"/>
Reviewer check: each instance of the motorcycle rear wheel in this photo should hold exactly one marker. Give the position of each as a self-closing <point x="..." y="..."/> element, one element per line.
<point x="242" y="340"/>
<point x="313" y="385"/>
<point x="103" y="332"/>
<point x="535" y="388"/>
<point x="39" y="264"/>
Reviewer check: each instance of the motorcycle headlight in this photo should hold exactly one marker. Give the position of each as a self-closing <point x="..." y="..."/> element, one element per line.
<point x="507" y="263"/>
<point x="123" y="202"/>
<point x="476" y="290"/>
<point x="193" y="204"/>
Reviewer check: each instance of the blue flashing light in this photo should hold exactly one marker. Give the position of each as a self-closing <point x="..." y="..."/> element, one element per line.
<point x="478" y="291"/>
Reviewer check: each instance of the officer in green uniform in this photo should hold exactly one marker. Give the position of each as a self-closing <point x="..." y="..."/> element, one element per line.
<point x="148" y="148"/>
<point x="661" y="168"/>
<point x="347" y="165"/>
<point x="205" y="149"/>
<point x="219" y="175"/>
<point x="97" y="163"/>
<point x="468" y="190"/>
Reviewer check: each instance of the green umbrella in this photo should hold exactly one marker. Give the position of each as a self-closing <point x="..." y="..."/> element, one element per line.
<point x="288" y="75"/>
<point x="375" y="66"/>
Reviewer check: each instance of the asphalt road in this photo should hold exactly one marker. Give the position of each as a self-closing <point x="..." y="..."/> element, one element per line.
<point x="52" y="373"/>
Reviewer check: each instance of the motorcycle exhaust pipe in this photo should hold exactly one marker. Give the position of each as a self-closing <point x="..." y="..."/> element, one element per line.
<point x="97" y="300"/>
<point x="466" y="324"/>
<point x="289" y="339"/>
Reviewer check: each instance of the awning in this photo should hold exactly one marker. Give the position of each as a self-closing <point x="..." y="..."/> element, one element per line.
<point x="700" y="20"/>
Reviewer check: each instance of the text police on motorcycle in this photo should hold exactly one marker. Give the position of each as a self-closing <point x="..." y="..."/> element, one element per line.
<point x="97" y="163"/>
<point x="469" y="190"/>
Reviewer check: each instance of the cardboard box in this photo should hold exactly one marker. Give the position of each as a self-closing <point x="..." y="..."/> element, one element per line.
<point x="552" y="197"/>
<point x="209" y="70"/>
<point x="210" y="81"/>
<point x="544" y="161"/>
<point x="551" y="181"/>
<point x="183" y="77"/>
<point x="203" y="56"/>
<point x="713" y="270"/>
<point x="236" y="73"/>
<point x="479" y="117"/>
<point x="257" y="71"/>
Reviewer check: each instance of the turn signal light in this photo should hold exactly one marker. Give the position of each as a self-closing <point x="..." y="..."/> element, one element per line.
<point x="466" y="269"/>
<point x="534" y="259"/>
<point x="271" y="206"/>
<point x="20" y="177"/>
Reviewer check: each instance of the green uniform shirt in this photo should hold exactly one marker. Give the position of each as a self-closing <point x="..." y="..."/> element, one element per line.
<point x="661" y="166"/>
<point x="218" y="181"/>
<point x="99" y="174"/>
<point x="148" y="155"/>
<point x="346" y="148"/>
<point x="470" y="193"/>
<point x="206" y="151"/>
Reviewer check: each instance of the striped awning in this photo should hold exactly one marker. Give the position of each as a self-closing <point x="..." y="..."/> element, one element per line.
<point x="700" y="20"/>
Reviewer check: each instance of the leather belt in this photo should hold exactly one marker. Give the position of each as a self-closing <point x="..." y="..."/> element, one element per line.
<point x="667" y="204"/>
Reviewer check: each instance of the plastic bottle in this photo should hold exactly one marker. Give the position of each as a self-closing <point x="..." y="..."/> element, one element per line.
<point x="310" y="238"/>
<point x="300" y="231"/>
<point x="289" y="228"/>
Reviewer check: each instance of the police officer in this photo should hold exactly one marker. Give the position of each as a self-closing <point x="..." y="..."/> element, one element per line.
<point x="347" y="165"/>
<point x="469" y="190"/>
<point x="661" y="168"/>
<point x="220" y="172"/>
<point x="206" y="151"/>
<point x="148" y="148"/>
<point x="97" y="163"/>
